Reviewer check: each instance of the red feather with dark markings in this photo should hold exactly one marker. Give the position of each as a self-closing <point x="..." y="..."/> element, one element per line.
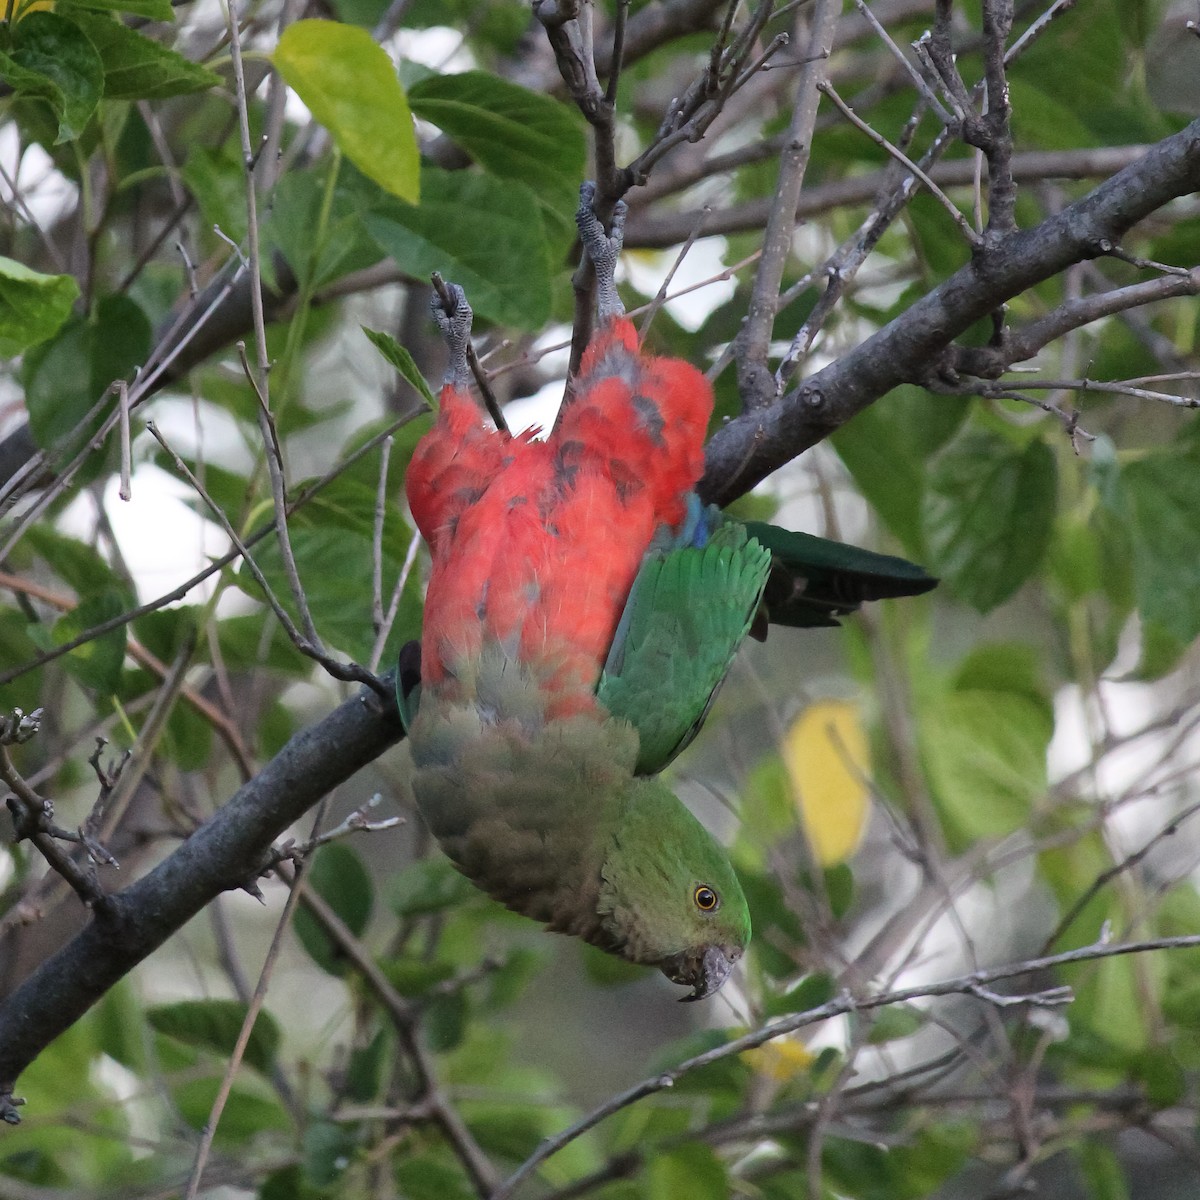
<point x="536" y="543"/>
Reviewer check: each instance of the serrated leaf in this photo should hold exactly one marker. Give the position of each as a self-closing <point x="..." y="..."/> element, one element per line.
<point x="483" y="233"/>
<point x="138" y="68"/>
<point x="338" y="876"/>
<point x="214" y="1025"/>
<point x="512" y="132"/>
<point x="48" y="48"/>
<point x="350" y="86"/>
<point x="400" y="358"/>
<point x="987" y="515"/>
<point x="33" y="306"/>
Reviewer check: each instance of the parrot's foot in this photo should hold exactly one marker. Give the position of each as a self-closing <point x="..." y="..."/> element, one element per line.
<point x="602" y="248"/>
<point x="455" y="327"/>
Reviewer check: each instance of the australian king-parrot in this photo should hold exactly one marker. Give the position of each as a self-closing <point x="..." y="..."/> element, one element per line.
<point x="583" y="608"/>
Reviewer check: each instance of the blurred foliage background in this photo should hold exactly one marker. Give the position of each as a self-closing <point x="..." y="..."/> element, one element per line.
<point x="1001" y="770"/>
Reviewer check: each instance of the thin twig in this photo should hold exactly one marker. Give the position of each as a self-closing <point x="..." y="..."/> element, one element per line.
<point x="339" y="670"/>
<point x="381" y="495"/>
<point x="243" y="1039"/>
<point x="219" y="564"/>
<point x="756" y="384"/>
<point x="972" y="238"/>
<point x="843" y="1005"/>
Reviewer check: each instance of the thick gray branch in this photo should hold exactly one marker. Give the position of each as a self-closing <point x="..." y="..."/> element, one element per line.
<point x="229" y="850"/>
<point x="910" y="348"/>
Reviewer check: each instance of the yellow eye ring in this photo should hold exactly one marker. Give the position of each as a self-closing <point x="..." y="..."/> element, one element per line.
<point x="706" y="899"/>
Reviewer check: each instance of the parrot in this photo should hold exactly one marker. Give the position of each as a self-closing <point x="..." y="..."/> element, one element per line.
<point x="582" y="609"/>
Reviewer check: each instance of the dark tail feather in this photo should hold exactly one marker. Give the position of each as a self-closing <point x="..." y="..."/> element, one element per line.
<point x="814" y="581"/>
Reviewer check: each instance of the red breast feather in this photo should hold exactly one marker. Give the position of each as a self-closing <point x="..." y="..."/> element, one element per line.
<point x="536" y="544"/>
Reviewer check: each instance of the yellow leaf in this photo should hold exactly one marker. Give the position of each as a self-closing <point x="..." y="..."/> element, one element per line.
<point x="825" y="753"/>
<point x="351" y="87"/>
<point x="780" y="1060"/>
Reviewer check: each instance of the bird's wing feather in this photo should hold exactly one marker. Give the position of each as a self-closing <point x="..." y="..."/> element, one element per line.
<point x="688" y="611"/>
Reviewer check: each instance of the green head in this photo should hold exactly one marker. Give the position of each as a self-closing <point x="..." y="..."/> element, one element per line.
<point x="669" y="897"/>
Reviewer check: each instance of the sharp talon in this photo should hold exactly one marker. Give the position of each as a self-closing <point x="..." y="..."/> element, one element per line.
<point x="602" y="248"/>
<point x="455" y="328"/>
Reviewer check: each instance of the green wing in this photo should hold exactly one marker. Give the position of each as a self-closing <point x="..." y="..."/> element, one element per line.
<point x="688" y="611"/>
<point x="814" y="581"/>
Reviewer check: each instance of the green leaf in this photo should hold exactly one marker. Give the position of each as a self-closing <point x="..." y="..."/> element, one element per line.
<point x="137" y="68"/>
<point x="334" y="562"/>
<point x="984" y="743"/>
<point x="216" y="179"/>
<point x="811" y="992"/>
<point x="1161" y="492"/>
<point x="446" y="1021"/>
<point x="52" y="59"/>
<point x="513" y="133"/>
<point x="327" y="1150"/>
<point x="32" y="306"/>
<point x="152" y="10"/>
<point x="606" y="970"/>
<point x="885" y="448"/>
<point x="421" y="1178"/>
<point x="319" y="247"/>
<point x="483" y="233"/>
<point x="66" y="376"/>
<point x="400" y="358"/>
<point x="1102" y="1170"/>
<point x="214" y="1025"/>
<point x="426" y="886"/>
<point x="246" y="1114"/>
<point x="988" y="513"/>
<point x="96" y="664"/>
<point x="351" y="87"/>
<point x="895" y="1022"/>
<point x="338" y="876"/>
<point x="692" y="1170"/>
<point x="413" y="976"/>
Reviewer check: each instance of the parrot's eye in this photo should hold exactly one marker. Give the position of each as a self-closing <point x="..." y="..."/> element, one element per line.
<point x="706" y="899"/>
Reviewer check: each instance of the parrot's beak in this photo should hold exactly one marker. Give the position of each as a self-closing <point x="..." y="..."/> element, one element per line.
<point x="703" y="971"/>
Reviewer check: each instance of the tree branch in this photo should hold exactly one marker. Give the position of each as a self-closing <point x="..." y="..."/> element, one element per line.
<point x="754" y="444"/>
<point x="974" y="984"/>
<point x="227" y="852"/>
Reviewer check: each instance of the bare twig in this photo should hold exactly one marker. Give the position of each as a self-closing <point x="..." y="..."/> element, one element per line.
<point x="756" y="384"/>
<point x="972" y="238"/>
<point x="973" y="984"/>
<point x="218" y="564"/>
<point x="381" y="496"/>
<point x="339" y="670"/>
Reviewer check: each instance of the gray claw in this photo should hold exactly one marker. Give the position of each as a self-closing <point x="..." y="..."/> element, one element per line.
<point x="455" y="328"/>
<point x="602" y="248"/>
